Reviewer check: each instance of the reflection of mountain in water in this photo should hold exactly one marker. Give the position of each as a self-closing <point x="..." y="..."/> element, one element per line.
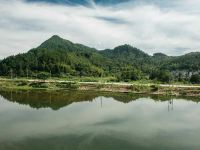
<point x="58" y="99"/>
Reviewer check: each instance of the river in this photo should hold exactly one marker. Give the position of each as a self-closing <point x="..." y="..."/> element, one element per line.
<point x="64" y="120"/>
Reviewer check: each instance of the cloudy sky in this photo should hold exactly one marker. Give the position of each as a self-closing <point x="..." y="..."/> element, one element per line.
<point x="168" y="26"/>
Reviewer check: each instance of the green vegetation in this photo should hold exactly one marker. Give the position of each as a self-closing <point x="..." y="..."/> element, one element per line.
<point x="59" y="58"/>
<point x="68" y="85"/>
<point x="54" y="85"/>
<point x="195" y="78"/>
<point x="39" y="85"/>
<point x="43" y="75"/>
<point x="25" y="84"/>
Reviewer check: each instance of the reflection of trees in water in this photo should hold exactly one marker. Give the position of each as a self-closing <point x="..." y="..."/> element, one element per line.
<point x="42" y="99"/>
<point x="58" y="99"/>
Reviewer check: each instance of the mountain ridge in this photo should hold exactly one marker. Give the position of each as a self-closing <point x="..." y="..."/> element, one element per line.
<point x="62" y="57"/>
<point x="127" y="45"/>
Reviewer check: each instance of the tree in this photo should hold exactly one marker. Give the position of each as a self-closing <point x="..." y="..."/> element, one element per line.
<point x="195" y="78"/>
<point x="161" y="75"/>
<point x="130" y="73"/>
<point x="43" y="75"/>
<point x="165" y="76"/>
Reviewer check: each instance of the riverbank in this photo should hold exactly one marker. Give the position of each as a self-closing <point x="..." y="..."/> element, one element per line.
<point x="155" y="89"/>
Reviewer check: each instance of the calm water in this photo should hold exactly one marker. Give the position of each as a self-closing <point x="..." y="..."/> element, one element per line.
<point x="97" y="121"/>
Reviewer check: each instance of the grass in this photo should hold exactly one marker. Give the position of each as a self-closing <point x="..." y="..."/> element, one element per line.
<point x="97" y="84"/>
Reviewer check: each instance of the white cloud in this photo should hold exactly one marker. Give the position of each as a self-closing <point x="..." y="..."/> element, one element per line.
<point x="151" y="27"/>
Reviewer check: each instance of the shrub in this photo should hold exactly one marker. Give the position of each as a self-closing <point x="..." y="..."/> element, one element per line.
<point x="154" y="88"/>
<point x="43" y="75"/>
<point x="135" y="88"/>
<point x="89" y="79"/>
<point x="195" y="79"/>
<point x="68" y="85"/>
<point x="39" y="85"/>
<point x="22" y="83"/>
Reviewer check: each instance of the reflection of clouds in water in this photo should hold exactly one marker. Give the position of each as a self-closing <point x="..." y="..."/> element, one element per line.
<point x="143" y="119"/>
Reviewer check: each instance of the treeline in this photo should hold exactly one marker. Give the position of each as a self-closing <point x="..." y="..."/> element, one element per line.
<point x="57" y="57"/>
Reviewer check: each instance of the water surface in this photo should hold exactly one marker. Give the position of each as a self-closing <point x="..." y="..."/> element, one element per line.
<point x="41" y="120"/>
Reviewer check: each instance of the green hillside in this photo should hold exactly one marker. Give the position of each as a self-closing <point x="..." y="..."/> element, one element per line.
<point x="61" y="58"/>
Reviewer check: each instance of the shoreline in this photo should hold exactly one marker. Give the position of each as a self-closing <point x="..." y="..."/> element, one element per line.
<point x="153" y="89"/>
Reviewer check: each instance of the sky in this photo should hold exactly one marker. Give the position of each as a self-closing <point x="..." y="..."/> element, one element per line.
<point x="168" y="26"/>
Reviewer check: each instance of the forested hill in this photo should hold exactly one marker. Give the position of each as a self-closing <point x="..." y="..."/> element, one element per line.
<point x="62" y="58"/>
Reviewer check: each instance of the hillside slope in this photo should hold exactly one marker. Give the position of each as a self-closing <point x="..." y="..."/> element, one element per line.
<point x="61" y="57"/>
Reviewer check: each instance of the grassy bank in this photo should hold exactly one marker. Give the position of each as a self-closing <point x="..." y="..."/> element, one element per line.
<point x="142" y="88"/>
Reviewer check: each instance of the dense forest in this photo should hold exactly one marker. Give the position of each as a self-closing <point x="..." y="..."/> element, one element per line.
<point x="58" y="57"/>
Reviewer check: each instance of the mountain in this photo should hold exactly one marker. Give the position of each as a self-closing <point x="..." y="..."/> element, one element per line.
<point x="161" y="55"/>
<point x="189" y="61"/>
<point x="124" y="51"/>
<point x="57" y="43"/>
<point x="57" y="55"/>
<point x="61" y="57"/>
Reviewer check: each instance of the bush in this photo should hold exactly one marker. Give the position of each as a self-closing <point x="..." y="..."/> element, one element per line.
<point x="154" y="88"/>
<point x="22" y="83"/>
<point x="39" y="85"/>
<point x="112" y="79"/>
<point x="136" y="88"/>
<point x="195" y="79"/>
<point x="161" y="75"/>
<point x="130" y="75"/>
<point x="89" y="79"/>
<point x="68" y="85"/>
<point x="43" y="75"/>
